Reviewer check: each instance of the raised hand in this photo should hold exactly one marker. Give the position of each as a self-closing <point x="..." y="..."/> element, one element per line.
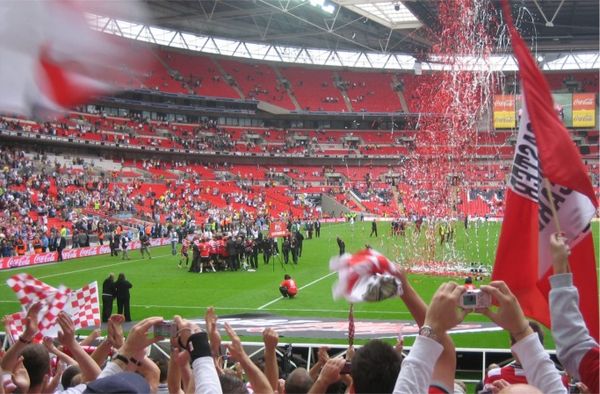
<point x="323" y="355"/>
<point x="138" y="340"/>
<point x="508" y="315"/>
<point x="115" y="331"/>
<point x="331" y="371"/>
<point x="235" y="348"/>
<point x="443" y="312"/>
<point x="185" y="328"/>
<point x="67" y="334"/>
<point x="49" y="344"/>
<point x="270" y="338"/>
<point x="214" y="337"/>
<point x="31" y="322"/>
<point x="560" y="253"/>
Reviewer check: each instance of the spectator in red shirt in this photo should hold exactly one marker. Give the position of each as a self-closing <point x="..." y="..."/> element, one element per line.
<point x="288" y="287"/>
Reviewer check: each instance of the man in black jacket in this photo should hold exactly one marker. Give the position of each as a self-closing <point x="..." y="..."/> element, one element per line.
<point x="108" y="295"/>
<point x="373" y="228"/>
<point x="232" y="253"/>
<point x="122" y="286"/>
<point x="61" y="243"/>
<point x="286" y="247"/>
<point x="341" y="245"/>
<point x="299" y="242"/>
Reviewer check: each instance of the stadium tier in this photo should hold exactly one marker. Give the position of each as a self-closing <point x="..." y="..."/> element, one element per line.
<point x="356" y="172"/>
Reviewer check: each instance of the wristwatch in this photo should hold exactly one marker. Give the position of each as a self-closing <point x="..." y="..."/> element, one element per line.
<point x="427" y="331"/>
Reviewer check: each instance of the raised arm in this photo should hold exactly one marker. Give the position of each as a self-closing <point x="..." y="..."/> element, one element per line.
<point x="445" y="367"/>
<point x="196" y="343"/>
<point x="49" y="344"/>
<point x="270" y="339"/>
<point x="259" y="381"/>
<point x="329" y="375"/>
<point x="11" y="357"/>
<point x="574" y="343"/>
<point x="539" y="369"/>
<point x="442" y="314"/>
<point x="322" y="357"/>
<point x="114" y="339"/>
<point x="89" y="369"/>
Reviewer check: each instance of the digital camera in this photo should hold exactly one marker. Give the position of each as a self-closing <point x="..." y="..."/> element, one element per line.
<point x="165" y="329"/>
<point x="475" y="299"/>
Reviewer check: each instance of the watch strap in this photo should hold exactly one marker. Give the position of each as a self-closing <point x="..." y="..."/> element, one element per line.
<point x="122" y="358"/>
<point x="427" y="331"/>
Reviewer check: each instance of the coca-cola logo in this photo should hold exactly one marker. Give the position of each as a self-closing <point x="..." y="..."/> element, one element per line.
<point x="44" y="258"/>
<point x="88" y="252"/>
<point x="20" y="261"/>
<point x="583" y="101"/>
<point x="68" y="254"/>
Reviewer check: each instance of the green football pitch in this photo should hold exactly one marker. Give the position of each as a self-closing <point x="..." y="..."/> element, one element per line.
<point x="160" y="288"/>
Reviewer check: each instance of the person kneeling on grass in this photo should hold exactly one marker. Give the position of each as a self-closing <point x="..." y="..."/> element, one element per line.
<point x="288" y="287"/>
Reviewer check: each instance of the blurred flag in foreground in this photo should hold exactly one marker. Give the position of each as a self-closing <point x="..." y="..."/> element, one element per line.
<point x="82" y="305"/>
<point x="545" y="158"/>
<point x="364" y="276"/>
<point x="52" y="59"/>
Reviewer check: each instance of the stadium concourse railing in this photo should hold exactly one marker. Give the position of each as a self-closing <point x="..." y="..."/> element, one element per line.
<point x="27" y="135"/>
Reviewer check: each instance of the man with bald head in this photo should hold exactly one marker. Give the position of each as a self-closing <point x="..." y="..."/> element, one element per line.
<point x="298" y="382"/>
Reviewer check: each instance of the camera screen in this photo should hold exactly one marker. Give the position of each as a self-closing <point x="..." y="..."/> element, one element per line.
<point x="469" y="299"/>
<point x="163" y="329"/>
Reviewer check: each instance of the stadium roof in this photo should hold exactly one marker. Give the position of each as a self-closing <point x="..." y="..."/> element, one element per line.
<point x="557" y="28"/>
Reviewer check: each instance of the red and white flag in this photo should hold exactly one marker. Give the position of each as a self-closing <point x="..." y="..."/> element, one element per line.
<point x="15" y="326"/>
<point x="82" y="305"/>
<point x="545" y="155"/>
<point x="364" y="276"/>
<point x="52" y="59"/>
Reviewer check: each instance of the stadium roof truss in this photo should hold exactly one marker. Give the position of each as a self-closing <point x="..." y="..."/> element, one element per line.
<point x="370" y="34"/>
<point x="322" y="57"/>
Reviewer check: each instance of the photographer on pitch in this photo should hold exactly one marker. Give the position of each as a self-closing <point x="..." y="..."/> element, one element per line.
<point x="288" y="287"/>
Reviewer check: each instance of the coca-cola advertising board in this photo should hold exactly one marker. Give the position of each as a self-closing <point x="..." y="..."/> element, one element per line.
<point x="68" y="254"/>
<point x="27" y="260"/>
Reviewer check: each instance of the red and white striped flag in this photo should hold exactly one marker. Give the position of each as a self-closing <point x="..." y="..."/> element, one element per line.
<point x="364" y="276"/>
<point x="52" y="59"/>
<point x="545" y="155"/>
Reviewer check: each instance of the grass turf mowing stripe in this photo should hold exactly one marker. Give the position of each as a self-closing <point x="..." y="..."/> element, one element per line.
<point x="99" y="267"/>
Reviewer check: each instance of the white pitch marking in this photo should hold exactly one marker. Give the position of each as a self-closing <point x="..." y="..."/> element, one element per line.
<point x="84" y="269"/>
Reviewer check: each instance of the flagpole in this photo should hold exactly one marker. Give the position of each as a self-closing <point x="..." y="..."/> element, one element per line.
<point x="351" y="326"/>
<point x="552" y="206"/>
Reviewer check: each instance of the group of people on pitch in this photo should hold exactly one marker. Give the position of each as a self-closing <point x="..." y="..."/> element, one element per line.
<point x="197" y="363"/>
